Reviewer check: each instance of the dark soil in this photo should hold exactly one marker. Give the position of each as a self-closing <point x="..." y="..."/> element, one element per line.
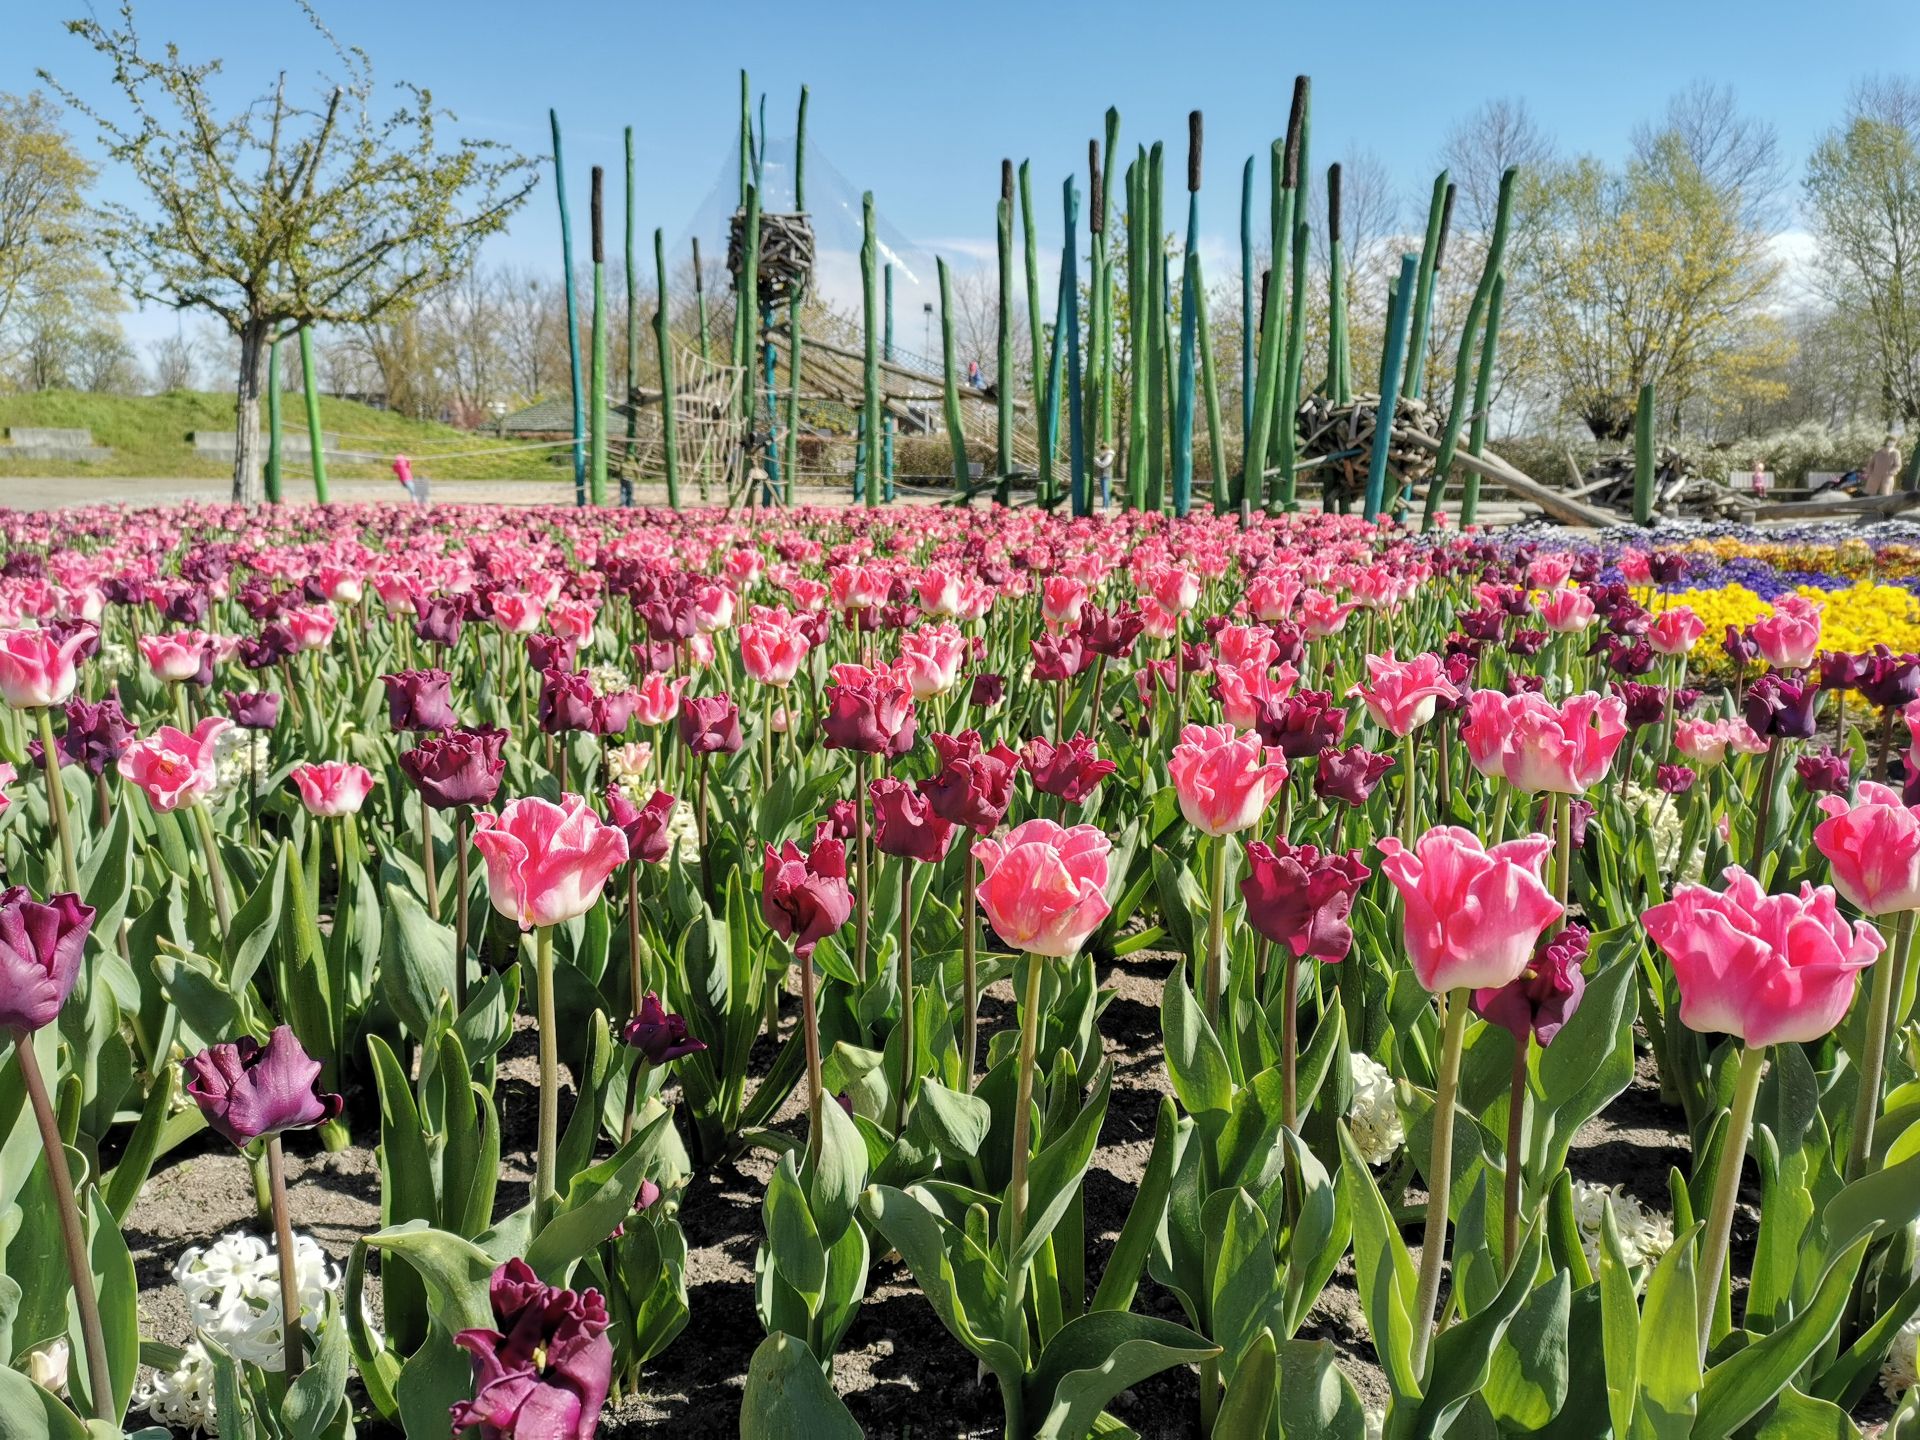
<point x="900" y="1372"/>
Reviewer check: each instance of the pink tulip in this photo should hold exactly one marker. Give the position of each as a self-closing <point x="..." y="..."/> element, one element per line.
<point x="1790" y="636"/>
<point x="517" y="614"/>
<point x="1488" y="731"/>
<point x="175" y="769"/>
<point x="1175" y="588"/>
<point x="176" y="655"/>
<point x="1321" y="615"/>
<point x="1874" y="848"/>
<point x="1766" y="969"/>
<point x="771" y="652"/>
<point x="312" y="626"/>
<point x="572" y="620"/>
<point x="1043" y="887"/>
<point x="1675" y="631"/>
<point x="36" y="669"/>
<point x="1566" y="612"/>
<point x="1225" y="780"/>
<point x="1473" y="913"/>
<point x="1704" y="742"/>
<point x="546" y="863"/>
<point x="1404" y="694"/>
<point x="1061" y="600"/>
<point x="930" y="660"/>
<point x="333" y="788"/>
<point x="1244" y="690"/>
<point x="1563" y="749"/>
<point x="658" y="698"/>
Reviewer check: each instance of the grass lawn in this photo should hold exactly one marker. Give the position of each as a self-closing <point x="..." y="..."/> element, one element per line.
<point x="148" y="436"/>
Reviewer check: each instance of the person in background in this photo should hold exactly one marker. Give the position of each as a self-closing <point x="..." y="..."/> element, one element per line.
<point x="415" y="486"/>
<point x="973" y="374"/>
<point x="1883" y="468"/>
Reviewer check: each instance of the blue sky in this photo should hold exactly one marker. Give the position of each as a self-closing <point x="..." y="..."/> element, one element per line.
<point x="919" y="102"/>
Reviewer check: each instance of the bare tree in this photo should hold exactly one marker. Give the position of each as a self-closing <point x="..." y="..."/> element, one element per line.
<point x="172" y="364"/>
<point x="282" y="215"/>
<point x="1738" y="155"/>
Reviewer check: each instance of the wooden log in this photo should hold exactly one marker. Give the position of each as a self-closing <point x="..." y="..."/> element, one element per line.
<point x="1491" y="467"/>
<point x="1864" y="507"/>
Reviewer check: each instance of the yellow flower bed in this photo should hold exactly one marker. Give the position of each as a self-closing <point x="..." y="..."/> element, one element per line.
<point x="1857" y="618"/>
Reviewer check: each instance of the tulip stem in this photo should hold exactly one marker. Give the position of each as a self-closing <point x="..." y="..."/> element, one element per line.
<point x="1516" y="1146"/>
<point x="907" y="1047"/>
<point x="1216" y="930"/>
<point x="289" y="1276"/>
<point x="459" y="910"/>
<point x="1563" y="854"/>
<point x="810" y="1031"/>
<point x="1407" y="780"/>
<point x="969" y="972"/>
<point x="1887" y="977"/>
<point x="57" y="799"/>
<point x="1016" y="1213"/>
<point x="1726" y="1186"/>
<point x="1763" y="809"/>
<point x="79" y="1270"/>
<point x="428" y="862"/>
<point x="544" y="1190"/>
<point x="1289" y="1037"/>
<point x="1433" y="1246"/>
<point x="700" y="816"/>
<point x="860" y="878"/>
<point x="216" y="873"/>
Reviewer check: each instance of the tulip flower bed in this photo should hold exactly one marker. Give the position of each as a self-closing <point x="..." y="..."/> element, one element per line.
<point x="524" y="973"/>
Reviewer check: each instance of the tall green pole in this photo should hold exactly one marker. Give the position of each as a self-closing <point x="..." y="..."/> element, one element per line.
<point x="310" y="382"/>
<point x="1643" y="457"/>
<point x="700" y="303"/>
<point x="1035" y="328"/>
<point x="1463" y="361"/>
<point x="870" y="365"/>
<point x="1096" y="289"/>
<point x="1003" y="360"/>
<point x="1158" y="304"/>
<point x="573" y="317"/>
<point x="1339" y="363"/>
<point x="663" y="338"/>
<point x="1290" y="380"/>
<point x="742" y="318"/>
<point x="1070" y="325"/>
<point x="597" y="466"/>
<point x="1107" y="436"/>
<point x="951" y="392"/>
<point x="1050" y="414"/>
<point x="1438" y="210"/>
<point x="793" y="304"/>
<point x="1292" y="207"/>
<point x="1136" y="459"/>
<point x="1392" y="358"/>
<point x="1210" y="383"/>
<point x="273" y="422"/>
<point x="1249" y="339"/>
<point x="886" y="349"/>
<point x="633" y="343"/>
<point x="1477" y="434"/>
<point x="1189" y="303"/>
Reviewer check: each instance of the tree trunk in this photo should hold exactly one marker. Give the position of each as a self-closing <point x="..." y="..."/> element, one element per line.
<point x="254" y="340"/>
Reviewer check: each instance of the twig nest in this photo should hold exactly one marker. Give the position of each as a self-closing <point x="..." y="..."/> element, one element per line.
<point x="786" y="254"/>
<point x="1341" y="437"/>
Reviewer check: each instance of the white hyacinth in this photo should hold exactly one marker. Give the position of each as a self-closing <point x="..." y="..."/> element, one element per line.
<point x="684" y="831"/>
<point x="233" y="1291"/>
<point x="232" y="771"/>
<point x="609" y="680"/>
<point x="1644" y="1234"/>
<point x="1900" y="1372"/>
<point x="1374" y="1117"/>
<point x="183" y="1396"/>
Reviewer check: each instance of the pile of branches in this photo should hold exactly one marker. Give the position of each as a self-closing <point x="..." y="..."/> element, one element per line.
<point x="1680" y="490"/>
<point x="786" y="254"/>
<point x="1336" y="441"/>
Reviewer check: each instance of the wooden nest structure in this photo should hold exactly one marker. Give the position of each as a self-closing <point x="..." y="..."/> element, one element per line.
<point x="1336" y="441"/>
<point x="786" y="254"/>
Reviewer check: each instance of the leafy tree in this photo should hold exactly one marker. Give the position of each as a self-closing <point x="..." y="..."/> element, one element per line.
<point x="282" y="215"/>
<point x="1863" y="192"/>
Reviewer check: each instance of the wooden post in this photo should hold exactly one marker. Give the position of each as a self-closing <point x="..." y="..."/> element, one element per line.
<point x="1339" y="359"/>
<point x="886" y="420"/>
<point x="633" y="345"/>
<point x="573" y="317"/>
<point x="597" y="467"/>
<point x="1158" y="359"/>
<point x="1003" y="375"/>
<point x="1136" y="472"/>
<point x="273" y="422"/>
<point x="1209" y="382"/>
<point x="700" y="303"/>
<point x="1439" y="207"/>
<point x="1029" y="235"/>
<point x="1391" y="361"/>
<point x="663" y="338"/>
<point x="1482" y="295"/>
<point x="1477" y="434"/>
<point x="1249" y="321"/>
<point x="310" y="382"/>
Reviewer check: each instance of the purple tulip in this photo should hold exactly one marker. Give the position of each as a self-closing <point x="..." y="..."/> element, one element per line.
<point x="544" y="1373"/>
<point x="566" y="701"/>
<point x="420" y="700"/>
<point x="1546" y="993"/>
<point x="246" y="1089"/>
<point x="710" y="724"/>
<point x="659" y="1035"/>
<point x="645" y="826"/>
<point x="41" y="947"/>
<point x="462" y="767"/>
<point x="97" y="734"/>
<point x="906" y="824"/>
<point x="439" y="621"/>
<point x="1349" y="774"/>
<point x="254" y="709"/>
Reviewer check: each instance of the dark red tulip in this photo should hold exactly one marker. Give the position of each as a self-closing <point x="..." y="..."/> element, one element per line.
<point x="1059" y="657"/>
<point x="1302" y="724"/>
<point x="1349" y="774"/>
<point x="905" y="823"/>
<point x="658" y="1035"/>
<point x="420" y="700"/>
<point x="461" y="767"/>
<point x="1545" y="994"/>
<point x="1071" y="770"/>
<point x="1300" y="896"/>
<point x="710" y="724"/>
<point x="988" y="690"/>
<point x="544" y="1373"/>
<point x="869" y="716"/>
<point x="645" y="826"/>
<point x="1825" y="773"/>
<point x="973" y="787"/>
<point x="254" y="709"/>
<point x="566" y="701"/>
<point x="439" y="620"/>
<point x="41" y="947"/>
<point x="804" y="897"/>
